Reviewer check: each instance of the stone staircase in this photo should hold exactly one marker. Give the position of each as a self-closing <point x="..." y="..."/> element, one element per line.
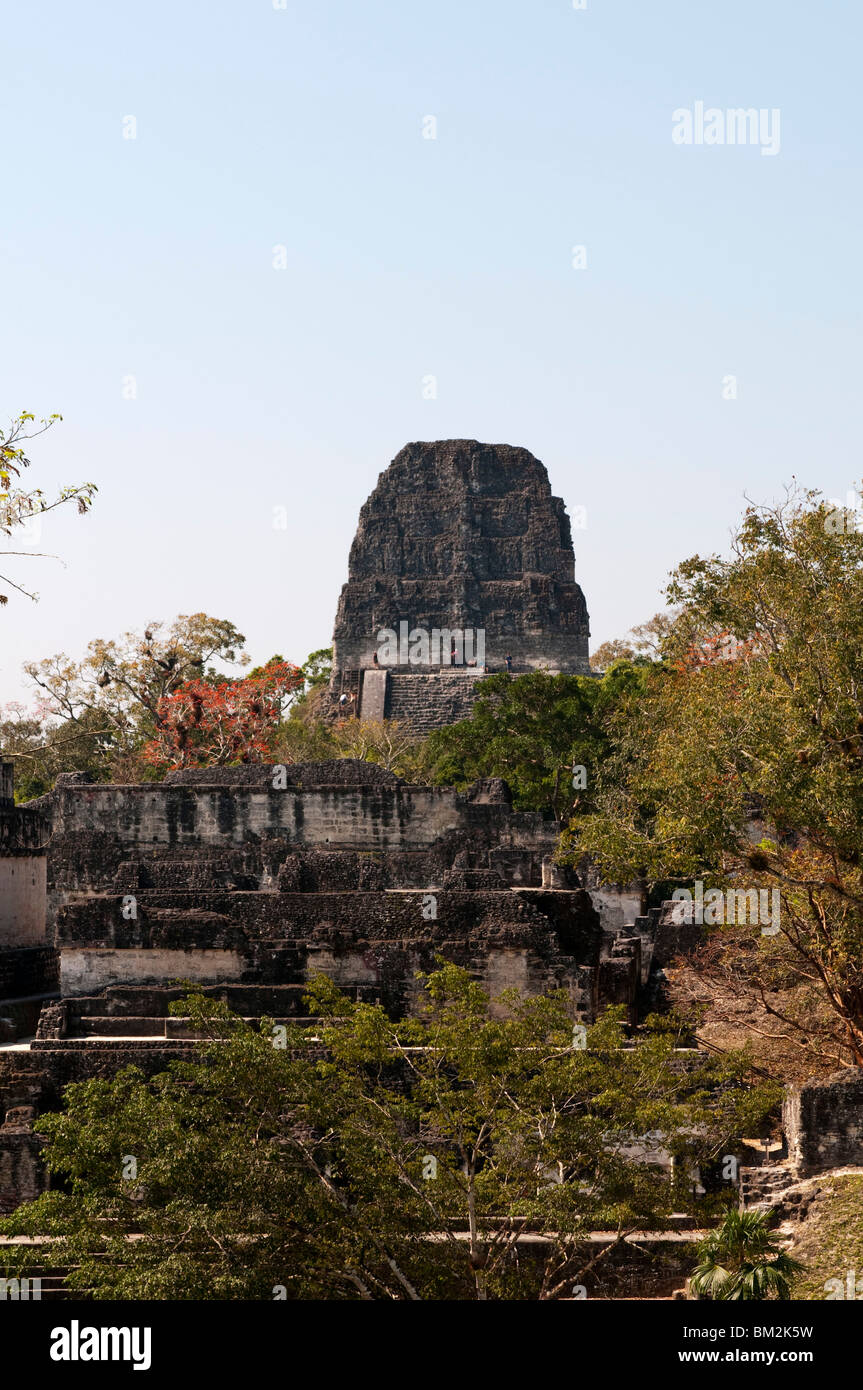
<point x="431" y="699"/>
<point x="373" y="700"/>
<point x="762" y="1189"/>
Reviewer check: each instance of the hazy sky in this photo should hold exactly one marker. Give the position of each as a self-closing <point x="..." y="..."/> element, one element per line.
<point x="257" y="387"/>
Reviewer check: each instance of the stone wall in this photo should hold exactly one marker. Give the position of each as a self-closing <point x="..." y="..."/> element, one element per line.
<point x="250" y="881"/>
<point x="23" y="879"/>
<point x="27" y="971"/>
<point x="618" y="905"/>
<point x="459" y="535"/>
<point x="27" y="967"/>
<point x="84" y="970"/>
<point x="426" y="700"/>
<point x="223" y="877"/>
<point x="277" y="938"/>
<point x="342" y="817"/>
<point x="341" y="772"/>
<point x="21" y="1175"/>
<point x="22" y="828"/>
<point x="823" y="1122"/>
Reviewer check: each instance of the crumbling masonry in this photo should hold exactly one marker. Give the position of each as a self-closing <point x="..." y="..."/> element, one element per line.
<point x="465" y="537"/>
<point x="249" y="881"/>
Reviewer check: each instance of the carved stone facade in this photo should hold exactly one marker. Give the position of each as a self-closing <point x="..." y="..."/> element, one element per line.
<point x="458" y="536"/>
<point x="823" y="1122"/>
<point x="249" y="881"/>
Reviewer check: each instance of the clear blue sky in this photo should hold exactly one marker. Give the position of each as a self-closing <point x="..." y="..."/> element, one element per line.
<point x="258" y="388"/>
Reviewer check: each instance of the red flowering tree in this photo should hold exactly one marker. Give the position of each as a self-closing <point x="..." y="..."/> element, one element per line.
<point x="721" y="646"/>
<point x="202" y="724"/>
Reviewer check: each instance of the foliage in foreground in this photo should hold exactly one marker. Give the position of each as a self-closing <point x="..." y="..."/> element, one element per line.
<point x="21" y="508"/>
<point x="743" y="1261"/>
<point x="751" y="730"/>
<point x="371" y="1159"/>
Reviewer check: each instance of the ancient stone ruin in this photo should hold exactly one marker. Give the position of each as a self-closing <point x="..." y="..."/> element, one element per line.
<point x="457" y="537"/>
<point x="823" y="1122"/>
<point x="249" y="881"/>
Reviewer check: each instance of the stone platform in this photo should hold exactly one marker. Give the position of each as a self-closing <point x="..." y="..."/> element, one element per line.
<point x="250" y="881"/>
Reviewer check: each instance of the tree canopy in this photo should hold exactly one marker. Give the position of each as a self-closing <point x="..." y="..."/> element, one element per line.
<point x="743" y="763"/>
<point x="97" y="714"/>
<point x="533" y="730"/>
<point x="19" y="506"/>
<point x="213" y="723"/>
<point x="367" y="1158"/>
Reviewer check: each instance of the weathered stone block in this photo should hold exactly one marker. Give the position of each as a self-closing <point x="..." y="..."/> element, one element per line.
<point x="823" y="1122"/>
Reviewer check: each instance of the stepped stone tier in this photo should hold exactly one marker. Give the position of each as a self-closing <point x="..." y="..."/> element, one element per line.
<point x="462" y="537"/>
<point x="248" y="881"/>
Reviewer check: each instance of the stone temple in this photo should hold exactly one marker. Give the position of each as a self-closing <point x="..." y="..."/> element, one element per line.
<point x="248" y="883"/>
<point x="460" y="537"/>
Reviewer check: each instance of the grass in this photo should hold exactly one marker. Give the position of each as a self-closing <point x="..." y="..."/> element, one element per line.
<point x="830" y="1239"/>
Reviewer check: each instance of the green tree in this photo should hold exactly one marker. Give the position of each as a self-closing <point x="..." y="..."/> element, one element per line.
<point x="41" y="749"/>
<point x="317" y="668"/>
<point x="642" y="644"/>
<point x="743" y="1261"/>
<point x="19" y="506"/>
<point x="109" y="703"/>
<point x="316" y="671"/>
<point x="743" y="763"/>
<point x="531" y="730"/>
<point x="307" y="733"/>
<point x="367" y="1158"/>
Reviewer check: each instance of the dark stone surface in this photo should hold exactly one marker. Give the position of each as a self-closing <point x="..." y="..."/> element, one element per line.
<point x="675" y="931"/>
<point x="533" y="919"/>
<point x="23" y="830"/>
<point x="337" y="772"/>
<point x="27" y="971"/>
<point x="823" y="1122"/>
<point x="463" y="535"/>
<point x="170" y="837"/>
<point x="489" y="791"/>
<point x="21" y="1174"/>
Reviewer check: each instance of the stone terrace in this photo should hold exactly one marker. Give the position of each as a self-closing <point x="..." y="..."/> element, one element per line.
<point x="249" y="881"/>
